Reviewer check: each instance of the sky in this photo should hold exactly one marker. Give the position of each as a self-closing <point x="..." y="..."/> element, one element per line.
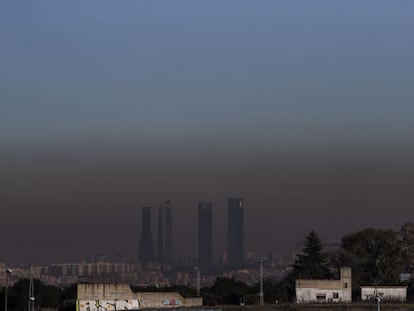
<point x="302" y="108"/>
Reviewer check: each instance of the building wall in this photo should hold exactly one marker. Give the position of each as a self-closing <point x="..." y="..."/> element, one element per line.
<point x="308" y="291"/>
<point x="104" y="305"/>
<point x="104" y="297"/>
<point x="308" y="295"/>
<point x="389" y="293"/>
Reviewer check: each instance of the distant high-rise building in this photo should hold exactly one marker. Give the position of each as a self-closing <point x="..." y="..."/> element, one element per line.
<point x="165" y="250"/>
<point x="205" y="224"/>
<point x="146" y="245"/>
<point x="235" y="227"/>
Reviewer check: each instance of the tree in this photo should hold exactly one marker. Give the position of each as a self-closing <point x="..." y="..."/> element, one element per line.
<point x="46" y="296"/>
<point x="406" y="236"/>
<point x="374" y="255"/>
<point x="312" y="263"/>
<point x="226" y="291"/>
<point x="275" y="290"/>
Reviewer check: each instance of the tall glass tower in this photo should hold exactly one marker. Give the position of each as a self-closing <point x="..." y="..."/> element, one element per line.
<point x="146" y="246"/>
<point x="205" y="223"/>
<point x="235" y="233"/>
<point x="165" y="249"/>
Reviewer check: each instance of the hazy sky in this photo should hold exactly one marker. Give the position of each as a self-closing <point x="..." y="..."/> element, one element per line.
<point x="303" y="108"/>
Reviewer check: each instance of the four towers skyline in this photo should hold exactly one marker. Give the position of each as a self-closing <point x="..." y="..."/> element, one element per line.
<point x="164" y="255"/>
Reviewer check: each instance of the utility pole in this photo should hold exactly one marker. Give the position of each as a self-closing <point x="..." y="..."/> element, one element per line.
<point x="8" y="272"/>
<point x="261" y="295"/>
<point x="31" y="306"/>
<point x="378" y="297"/>
<point x="197" y="269"/>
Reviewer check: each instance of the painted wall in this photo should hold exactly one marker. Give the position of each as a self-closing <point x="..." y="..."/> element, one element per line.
<point x="105" y="297"/>
<point x="103" y="305"/>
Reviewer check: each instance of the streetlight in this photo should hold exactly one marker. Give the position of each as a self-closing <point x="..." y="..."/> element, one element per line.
<point x="8" y="272"/>
<point x="31" y="302"/>
<point x="261" y="294"/>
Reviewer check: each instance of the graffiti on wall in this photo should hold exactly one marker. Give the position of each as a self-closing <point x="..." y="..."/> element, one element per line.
<point x="107" y="305"/>
<point x="171" y="302"/>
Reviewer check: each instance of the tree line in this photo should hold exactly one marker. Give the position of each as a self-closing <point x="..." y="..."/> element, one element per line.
<point x="376" y="256"/>
<point x="46" y="296"/>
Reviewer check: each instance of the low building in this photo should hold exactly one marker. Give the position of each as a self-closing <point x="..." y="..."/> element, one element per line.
<point x="323" y="291"/>
<point x="386" y="293"/>
<point x="112" y="297"/>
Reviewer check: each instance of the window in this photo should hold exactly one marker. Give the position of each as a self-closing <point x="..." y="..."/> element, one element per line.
<point x="345" y="285"/>
<point x="320" y="297"/>
<point x="335" y="295"/>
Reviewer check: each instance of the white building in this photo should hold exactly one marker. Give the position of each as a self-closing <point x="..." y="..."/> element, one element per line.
<point x="323" y="291"/>
<point x="113" y="297"/>
<point x="388" y="293"/>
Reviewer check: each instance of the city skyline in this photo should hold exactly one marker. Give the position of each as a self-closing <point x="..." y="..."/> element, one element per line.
<point x="303" y="109"/>
<point x="235" y="234"/>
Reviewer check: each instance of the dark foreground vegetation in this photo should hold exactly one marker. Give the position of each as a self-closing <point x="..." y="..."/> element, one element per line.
<point x="47" y="296"/>
<point x="376" y="256"/>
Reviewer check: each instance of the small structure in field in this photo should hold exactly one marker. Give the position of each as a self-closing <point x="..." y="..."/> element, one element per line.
<point x="386" y="293"/>
<point x="324" y="291"/>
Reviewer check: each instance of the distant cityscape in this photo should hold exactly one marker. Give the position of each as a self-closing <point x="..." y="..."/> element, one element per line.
<point x="155" y="265"/>
<point x="382" y="271"/>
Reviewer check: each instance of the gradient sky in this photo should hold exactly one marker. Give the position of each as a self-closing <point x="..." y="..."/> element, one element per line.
<point x="303" y="108"/>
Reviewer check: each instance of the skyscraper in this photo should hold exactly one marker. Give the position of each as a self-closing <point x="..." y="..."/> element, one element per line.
<point x="146" y="246"/>
<point x="165" y="250"/>
<point x="205" y="222"/>
<point x="235" y="233"/>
